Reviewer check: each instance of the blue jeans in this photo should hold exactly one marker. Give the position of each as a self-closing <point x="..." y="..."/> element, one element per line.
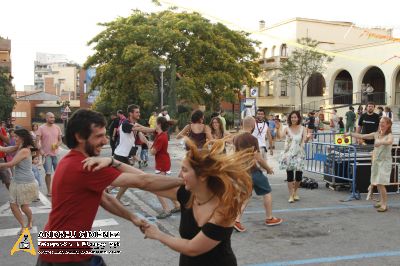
<point x="144" y="155"/>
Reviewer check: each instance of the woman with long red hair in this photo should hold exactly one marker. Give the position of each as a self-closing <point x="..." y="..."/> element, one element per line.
<point x="216" y="186"/>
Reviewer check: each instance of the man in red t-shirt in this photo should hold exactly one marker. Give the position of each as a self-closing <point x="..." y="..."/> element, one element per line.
<point x="78" y="191"/>
<point x="5" y="173"/>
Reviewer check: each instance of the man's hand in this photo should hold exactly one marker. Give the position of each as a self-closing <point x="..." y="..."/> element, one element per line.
<point x="141" y="223"/>
<point x="96" y="163"/>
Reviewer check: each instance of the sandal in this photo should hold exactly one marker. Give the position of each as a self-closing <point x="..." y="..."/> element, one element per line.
<point x="175" y="210"/>
<point x="377" y="205"/>
<point x="163" y="215"/>
<point x="380" y="209"/>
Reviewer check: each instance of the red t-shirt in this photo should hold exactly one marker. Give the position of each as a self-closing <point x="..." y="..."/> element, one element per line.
<point x="76" y="196"/>
<point x="163" y="162"/>
<point x="4" y="133"/>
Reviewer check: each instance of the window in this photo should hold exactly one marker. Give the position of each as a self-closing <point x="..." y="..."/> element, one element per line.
<point x="283" y="87"/>
<point x="273" y="50"/>
<point x="270" y="88"/>
<point x="18" y="114"/>
<point x="284" y="50"/>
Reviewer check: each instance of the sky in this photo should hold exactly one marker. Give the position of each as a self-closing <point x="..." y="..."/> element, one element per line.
<point x="65" y="27"/>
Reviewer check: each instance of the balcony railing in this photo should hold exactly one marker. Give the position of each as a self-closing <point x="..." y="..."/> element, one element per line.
<point x="357" y="98"/>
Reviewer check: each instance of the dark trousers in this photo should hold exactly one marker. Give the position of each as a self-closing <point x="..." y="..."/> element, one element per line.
<point x="93" y="261"/>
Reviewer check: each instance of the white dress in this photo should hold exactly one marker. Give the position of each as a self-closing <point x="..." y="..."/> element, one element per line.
<point x="292" y="158"/>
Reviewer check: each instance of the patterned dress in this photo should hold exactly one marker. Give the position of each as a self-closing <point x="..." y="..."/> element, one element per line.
<point x="293" y="155"/>
<point x="382" y="163"/>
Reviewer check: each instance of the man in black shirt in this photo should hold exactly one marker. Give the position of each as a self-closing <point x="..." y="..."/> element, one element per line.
<point x="368" y="122"/>
<point x="113" y="126"/>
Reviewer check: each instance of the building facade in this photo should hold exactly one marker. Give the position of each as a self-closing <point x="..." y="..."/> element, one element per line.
<point x="55" y="75"/>
<point x="5" y="54"/>
<point x="361" y="56"/>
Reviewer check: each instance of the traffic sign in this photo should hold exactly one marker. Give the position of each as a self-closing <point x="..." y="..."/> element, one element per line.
<point x="67" y="110"/>
<point x="64" y="116"/>
<point x="340" y="139"/>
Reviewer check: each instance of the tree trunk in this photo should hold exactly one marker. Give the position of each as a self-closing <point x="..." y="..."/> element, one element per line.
<point x="301" y="101"/>
<point x="172" y="92"/>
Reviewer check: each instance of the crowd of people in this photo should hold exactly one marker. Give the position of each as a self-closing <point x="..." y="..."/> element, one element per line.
<point x="211" y="190"/>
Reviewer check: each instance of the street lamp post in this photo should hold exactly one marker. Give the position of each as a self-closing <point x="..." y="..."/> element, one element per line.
<point x="162" y="69"/>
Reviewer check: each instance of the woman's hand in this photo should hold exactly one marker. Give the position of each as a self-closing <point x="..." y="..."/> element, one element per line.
<point x="347" y="134"/>
<point x="270" y="171"/>
<point x="377" y="143"/>
<point x="152" y="232"/>
<point x="96" y="163"/>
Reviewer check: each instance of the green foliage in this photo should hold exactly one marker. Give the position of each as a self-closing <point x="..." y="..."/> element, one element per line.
<point x="7" y="102"/>
<point x="302" y="63"/>
<point x="209" y="59"/>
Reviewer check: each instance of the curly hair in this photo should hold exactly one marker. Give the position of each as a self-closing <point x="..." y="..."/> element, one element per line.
<point x="297" y="113"/>
<point x="221" y="126"/>
<point x="228" y="175"/>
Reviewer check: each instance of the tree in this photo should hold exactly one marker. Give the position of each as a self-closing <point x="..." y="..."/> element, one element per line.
<point x="7" y="102"/>
<point x="302" y="63"/>
<point x="209" y="60"/>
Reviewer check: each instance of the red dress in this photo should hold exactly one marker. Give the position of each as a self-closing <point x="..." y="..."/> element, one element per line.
<point x="163" y="162"/>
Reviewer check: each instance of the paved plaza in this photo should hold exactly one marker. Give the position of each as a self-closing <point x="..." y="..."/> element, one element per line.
<point x="320" y="229"/>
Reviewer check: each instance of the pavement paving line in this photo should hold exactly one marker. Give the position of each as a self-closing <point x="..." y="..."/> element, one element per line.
<point x="330" y="208"/>
<point x="15" y="231"/>
<point x="104" y="222"/>
<point x="149" y="211"/>
<point x="34" y="230"/>
<point x="394" y="253"/>
<point x="44" y="199"/>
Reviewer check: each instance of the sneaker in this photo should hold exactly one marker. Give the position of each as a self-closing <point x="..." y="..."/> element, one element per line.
<point x="125" y="203"/>
<point x="273" y="221"/>
<point x="163" y="215"/>
<point x="145" y="164"/>
<point x="239" y="227"/>
<point x="140" y="164"/>
<point x="291" y="199"/>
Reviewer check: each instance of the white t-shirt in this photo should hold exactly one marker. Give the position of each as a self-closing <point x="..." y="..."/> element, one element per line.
<point x="126" y="142"/>
<point x="260" y="131"/>
<point x="166" y="116"/>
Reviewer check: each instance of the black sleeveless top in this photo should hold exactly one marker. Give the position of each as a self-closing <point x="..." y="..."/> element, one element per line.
<point x="220" y="255"/>
<point x="198" y="138"/>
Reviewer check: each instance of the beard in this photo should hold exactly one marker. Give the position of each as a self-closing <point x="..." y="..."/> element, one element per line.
<point x="90" y="149"/>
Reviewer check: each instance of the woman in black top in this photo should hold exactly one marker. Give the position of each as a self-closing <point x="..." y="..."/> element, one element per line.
<point x="197" y="131"/>
<point x="216" y="185"/>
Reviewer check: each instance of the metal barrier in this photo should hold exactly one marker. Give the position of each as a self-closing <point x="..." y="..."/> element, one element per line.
<point x="337" y="162"/>
<point x="324" y="137"/>
<point x="333" y="161"/>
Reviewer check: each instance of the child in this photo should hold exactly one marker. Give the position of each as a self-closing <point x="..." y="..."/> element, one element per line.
<point x="163" y="161"/>
<point x="35" y="169"/>
<point x="381" y="159"/>
<point x="10" y="156"/>
<point x="144" y="155"/>
<point x="341" y="125"/>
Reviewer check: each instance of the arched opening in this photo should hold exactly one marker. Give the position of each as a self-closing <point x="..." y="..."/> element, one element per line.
<point x="375" y="78"/>
<point x="284" y="52"/>
<point x="397" y="89"/>
<point x="263" y="53"/>
<point x="273" y="50"/>
<point x="315" y="86"/>
<point x="343" y="88"/>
